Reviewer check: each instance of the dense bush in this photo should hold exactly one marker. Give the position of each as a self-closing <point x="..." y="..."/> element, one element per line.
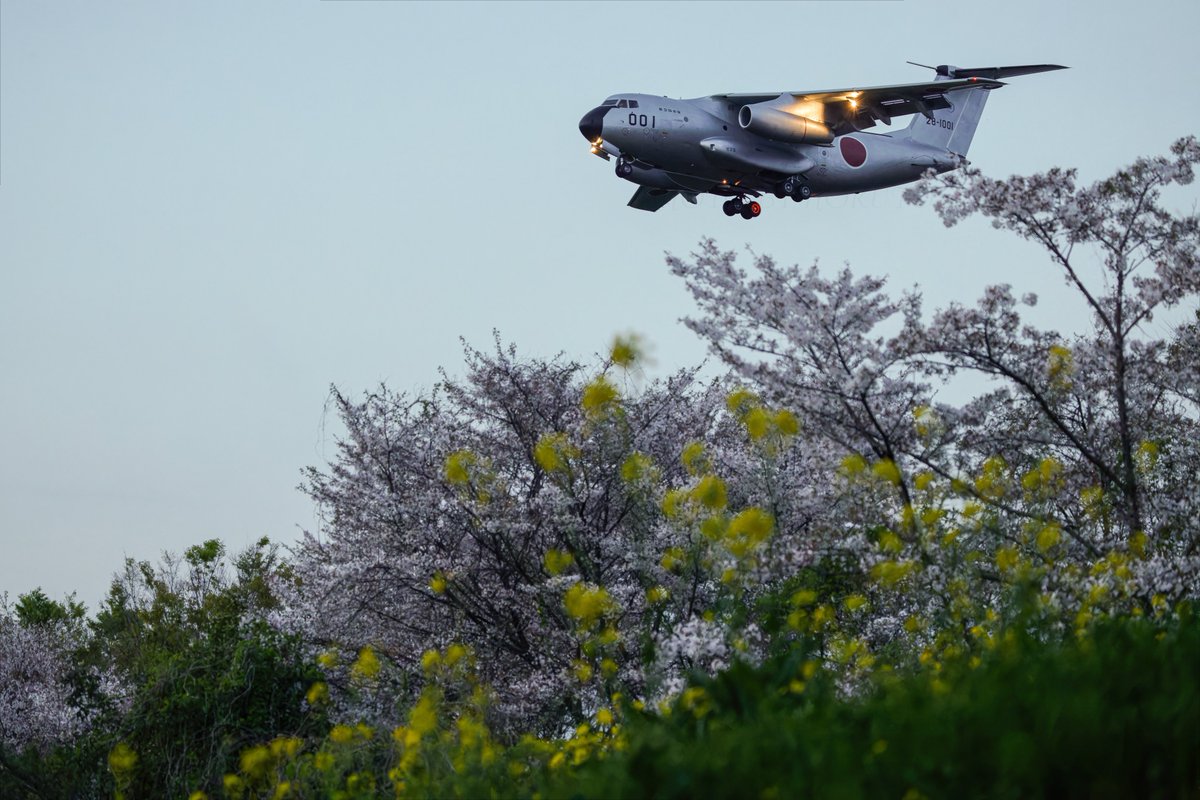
<point x="1113" y="714"/>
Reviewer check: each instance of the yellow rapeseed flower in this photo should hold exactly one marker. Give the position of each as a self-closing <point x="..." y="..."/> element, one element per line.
<point x="457" y="467"/>
<point x="714" y="527"/>
<point x="693" y="458"/>
<point x="757" y="422"/>
<point x="992" y="482"/>
<point x="557" y="561"/>
<point x="786" y="422"/>
<point x="854" y="602"/>
<point x="753" y="525"/>
<point x="741" y="401"/>
<point x="638" y="467"/>
<point x="341" y="734"/>
<point x="285" y="746"/>
<point x="554" y="451"/>
<point x="317" y="694"/>
<point x="122" y="759"/>
<point x="437" y="584"/>
<point x="455" y="653"/>
<point x="430" y="660"/>
<point x="626" y="350"/>
<point x="1048" y="537"/>
<point x="923" y="420"/>
<point x="672" y="559"/>
<point x="582" y="670"/>
<point x="886" y="469"/>
<point x="366" y="666"/>
<point x="710" y="492"/>
<point x="256" y="762"/>
<point x="1007" y="559"/>
<point x="423" y="717"/>
<point x="804" y="597"/>
<point x="853" y="464"/>
<point x="600" y="398"/>
<point x="1060" y="364"/>
<point x="673" y="502"/>
<point x="890" y="573"/>
<point x="1146" y="456"/>
<point x="889" y="542"/>
<point x="586" y="603"/>
<point x="656" y="595"/>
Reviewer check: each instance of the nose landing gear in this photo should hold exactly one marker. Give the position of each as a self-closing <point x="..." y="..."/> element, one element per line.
<point x="738" y="205"/>
<point x="624" y="168"/>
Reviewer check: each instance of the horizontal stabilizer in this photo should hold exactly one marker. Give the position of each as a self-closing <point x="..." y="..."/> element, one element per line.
<point x="999" y="73"/>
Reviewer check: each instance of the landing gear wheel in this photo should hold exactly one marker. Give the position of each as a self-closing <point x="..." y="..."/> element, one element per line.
<point x="737" y="204"/>
<point x="801" y="191"/>
<point x="780" y="192"/>
<point x="727" y="207"/>
<point x="751" y="210"/>
<point x="624" y="169"/>
<point x="788" y="187"/>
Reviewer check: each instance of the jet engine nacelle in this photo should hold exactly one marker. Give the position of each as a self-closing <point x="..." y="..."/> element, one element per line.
<point x="765" y="120"/>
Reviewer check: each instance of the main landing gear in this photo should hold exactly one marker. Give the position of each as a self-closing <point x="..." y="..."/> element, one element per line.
<point x="794" y="188"/>
<point x="738" y="205"/>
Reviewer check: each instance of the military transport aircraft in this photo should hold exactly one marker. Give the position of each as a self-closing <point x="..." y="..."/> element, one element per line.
<point x="791" y="144"/>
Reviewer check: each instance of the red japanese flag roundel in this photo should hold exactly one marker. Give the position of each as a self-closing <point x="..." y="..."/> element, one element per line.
<point x="854" y="151"/>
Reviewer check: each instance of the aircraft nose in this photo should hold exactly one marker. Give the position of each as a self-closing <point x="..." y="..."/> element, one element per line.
<point x="592" y="124"/>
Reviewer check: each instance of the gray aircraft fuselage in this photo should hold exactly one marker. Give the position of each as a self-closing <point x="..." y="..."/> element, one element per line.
<point x="698" y="146"/>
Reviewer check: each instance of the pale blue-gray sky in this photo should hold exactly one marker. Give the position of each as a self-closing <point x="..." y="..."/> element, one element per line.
<point x="210" y="211"/>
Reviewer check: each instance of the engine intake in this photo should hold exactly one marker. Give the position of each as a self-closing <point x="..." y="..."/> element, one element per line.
<point x="781" y="126"/>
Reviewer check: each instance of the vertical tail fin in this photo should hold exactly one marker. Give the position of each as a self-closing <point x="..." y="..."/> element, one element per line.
<point x="951" y="128"/>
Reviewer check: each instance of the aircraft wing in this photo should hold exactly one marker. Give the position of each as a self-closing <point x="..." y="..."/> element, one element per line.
<point x="862" y="105"/>
<point x="859" y="107"/>
<point x="648" y="199"/>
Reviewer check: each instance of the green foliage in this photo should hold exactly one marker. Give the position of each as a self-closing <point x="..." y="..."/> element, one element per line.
<point x="205" y="677"/>
<point x="1113" y="714"/>
<point x="35" y="608"/>
<point x="211" y="677"/>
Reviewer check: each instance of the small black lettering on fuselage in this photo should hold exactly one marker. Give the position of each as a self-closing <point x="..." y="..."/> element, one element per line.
<point x="941" y="123"/>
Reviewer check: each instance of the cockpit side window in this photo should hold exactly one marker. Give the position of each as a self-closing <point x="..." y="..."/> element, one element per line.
<point x="608" y="104"/>
<point x="633" y="104"/>
<point x="623" y="104"/>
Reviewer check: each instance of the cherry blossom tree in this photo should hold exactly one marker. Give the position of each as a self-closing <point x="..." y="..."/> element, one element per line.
<point x="564" y="527"/>
<point x="1082" y="454"/>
